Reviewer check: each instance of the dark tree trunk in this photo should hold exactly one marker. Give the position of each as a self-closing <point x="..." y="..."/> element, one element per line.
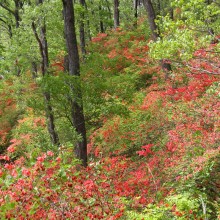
<point x="151" y="18"/>
<point x="82" y="30"/>
<point x="74" y="70"/>
<point x="49" y="109"/>
<point x="50" y="120"/>
<point x="116" y="14"/>
<point x="47" y="97"/>
<point x="155" y="32"/>
<point x="66" y="63"/>
<point x="34" y="70"/>
<point x="101" y="24"/>
<point x="42" y="42"/>
<point x="171" y="14"/>
<point x="135" y="12"/>
<point x="10" y="31"/>
<point x="16" y="12"/>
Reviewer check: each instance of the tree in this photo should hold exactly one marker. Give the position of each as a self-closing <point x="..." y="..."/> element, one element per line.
<point x="194" y="26"/>
<point x="101" y="23"/>
<point x="6" y="25"/>
<point x="155" y="31"/>
<point x="43" y="46"/>
<point x="15" y="11"/>
<point x="18" y="4"/>
<point x="116" y="14"/>
<point x="74" y="71"/>
<point x="136" y="4"/>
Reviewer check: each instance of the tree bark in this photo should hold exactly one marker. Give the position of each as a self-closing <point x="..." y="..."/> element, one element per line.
<point x="74" y="70"/>
<point x="116" y="14"/>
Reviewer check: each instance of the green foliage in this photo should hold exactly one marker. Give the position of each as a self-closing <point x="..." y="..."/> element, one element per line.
<point x="180" y="206"/>
<point x="23" y="49"/>
<point x="192" y="28"/>
<point x="165" y="131"/>
<point x="105" y="91"/>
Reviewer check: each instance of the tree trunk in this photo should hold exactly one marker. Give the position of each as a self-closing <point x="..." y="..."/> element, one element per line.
<point x="171" y="14"/>
<point x="155" y="32"/>
<point x="135" y="12"/>
<point x="34" y="70"/>
<point x="50" y="120"/>
<point x="151" y="18"/>
<point x="74" y="70"/>
<point x="116" y="14"/>
<point x="16" y="12"/>
<point x="82" y="29"/>
<point x="101" y="24"/>
<point x="42" y="42"/>
<point x="47" y="97"/>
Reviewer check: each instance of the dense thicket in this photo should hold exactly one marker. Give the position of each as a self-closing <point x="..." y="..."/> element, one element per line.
<point x="129" y="90"/>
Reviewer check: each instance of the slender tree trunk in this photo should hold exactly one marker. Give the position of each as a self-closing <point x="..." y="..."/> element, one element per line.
<point x="151" y="18"/>
<point x="74" y="70"/>
<point x="34" y="70"/>
<point x="155" y="32"/>
<point x="82" y="29"/>
<point x="47" y="97"/>
<point x="42" y="42"/>
<point x="171" y="14"/>
<point x="116" y="14"/>
<point x="17" y="21"/>
<point x="135" y="12"/>
<point x="16" y="12"/>
<point x="50" y="120"/>
<point x="10" y="31"/>
<point x="101" y="24"/>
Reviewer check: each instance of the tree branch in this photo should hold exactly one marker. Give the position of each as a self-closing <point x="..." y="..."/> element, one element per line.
<point x="8" y="9"/>
<point x="37" y="37"/>
<point x="3" y="21"/>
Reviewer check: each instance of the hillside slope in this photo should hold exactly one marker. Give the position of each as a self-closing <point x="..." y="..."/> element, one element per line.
<point x="154" y="144"/>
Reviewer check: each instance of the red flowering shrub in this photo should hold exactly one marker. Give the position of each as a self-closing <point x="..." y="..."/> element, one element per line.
<point x="8" y="113"/>
<point x="153" y="145"/>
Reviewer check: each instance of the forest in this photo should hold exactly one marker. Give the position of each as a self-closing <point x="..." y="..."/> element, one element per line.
<point x="110" y="109"/>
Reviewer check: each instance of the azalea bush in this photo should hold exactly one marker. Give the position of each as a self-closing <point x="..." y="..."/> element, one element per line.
<point x="52" y="187"/>
<point x="8" y="112"/>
